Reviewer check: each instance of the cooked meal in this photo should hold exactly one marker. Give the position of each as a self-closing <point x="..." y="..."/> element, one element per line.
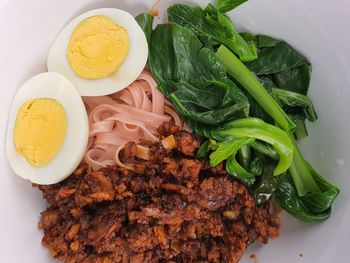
<point x="174" y="142"/>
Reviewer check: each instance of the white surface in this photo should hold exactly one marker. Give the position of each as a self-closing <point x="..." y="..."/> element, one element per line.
<point x="54" y="86"/>
<point x="128" y="71"/>
<point x="318" y="28"/>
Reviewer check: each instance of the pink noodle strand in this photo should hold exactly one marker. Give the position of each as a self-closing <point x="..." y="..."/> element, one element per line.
<point x="131" y="114"/>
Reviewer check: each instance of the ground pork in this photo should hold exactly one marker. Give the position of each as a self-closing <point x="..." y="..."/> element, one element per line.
<point x="173" y="209"/>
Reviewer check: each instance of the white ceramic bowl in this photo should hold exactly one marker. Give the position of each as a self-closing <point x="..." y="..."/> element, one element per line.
<point x="318" y="28"/>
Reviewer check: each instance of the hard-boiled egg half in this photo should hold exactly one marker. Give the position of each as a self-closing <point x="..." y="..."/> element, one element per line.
<point x="101" y="51"/>
<point x="48" y="128"/>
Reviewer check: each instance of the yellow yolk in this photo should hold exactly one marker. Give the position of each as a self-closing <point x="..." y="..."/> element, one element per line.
<point x="40" y="129"/>
<point x="97" y="47"/>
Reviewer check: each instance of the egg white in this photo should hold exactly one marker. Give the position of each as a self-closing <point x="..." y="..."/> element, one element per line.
<point x="127" y="73"/>
<point x="55" y="86"/>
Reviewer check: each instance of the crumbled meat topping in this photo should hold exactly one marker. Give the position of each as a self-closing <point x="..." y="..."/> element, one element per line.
<point x="173" y="208"/>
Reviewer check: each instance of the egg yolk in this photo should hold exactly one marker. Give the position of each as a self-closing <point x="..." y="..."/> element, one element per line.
<point x="40" y="129"/>
<point x="97" y="47"/>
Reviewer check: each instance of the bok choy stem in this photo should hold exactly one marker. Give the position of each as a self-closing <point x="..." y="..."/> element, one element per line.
<point x="243" y="75"/>
<point x="302" y="177"/>
<point x="260" y="130"/>
<point x="298" y="168"/>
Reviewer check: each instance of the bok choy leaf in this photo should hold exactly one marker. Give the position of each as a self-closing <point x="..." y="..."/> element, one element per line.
<point x="191" y="77"/>
<point x="214" y="26"/>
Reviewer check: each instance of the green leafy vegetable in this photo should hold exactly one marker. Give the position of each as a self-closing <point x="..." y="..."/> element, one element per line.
<point x="292" y="99"/>
<point x="224" y="6"/>
<point x="297" y="106"/>
<point x="301" y="176"/>
<point x="295" y="79"/>
<point x="192" y="78"/>
<point x="205" y="148"/>
<point x="301" y="172"/>
<point x="282" y="63"/>
<point x="236" y="170"/>
<point x="264" y="149"/>
<point x="244" y="156"/>
<point x="300" y="130"/>
<point x="256" y="166"/>
<point x="145" y="21"/>
<point x="288" y="198"/>
<point x="257" y="129"/>
<point x="173" y="59"/>
<point x="266" y="41"/>
<point x="310" y="207"/>
<point x="214" y="26"/>
<point x="279" y="66"/>
<point x="267" y="185"/>
<point x="275" y="59"/>
<point x="243" y="75"/>
<point x="226" y="149"/>
<point x="320" y="202"/>
<point x="211" y="104"/>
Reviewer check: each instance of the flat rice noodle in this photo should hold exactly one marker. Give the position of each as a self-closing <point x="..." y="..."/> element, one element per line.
<point x="131" y="114"/>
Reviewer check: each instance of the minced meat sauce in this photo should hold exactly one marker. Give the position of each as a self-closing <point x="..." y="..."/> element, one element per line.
<point x="172" y="208"/>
